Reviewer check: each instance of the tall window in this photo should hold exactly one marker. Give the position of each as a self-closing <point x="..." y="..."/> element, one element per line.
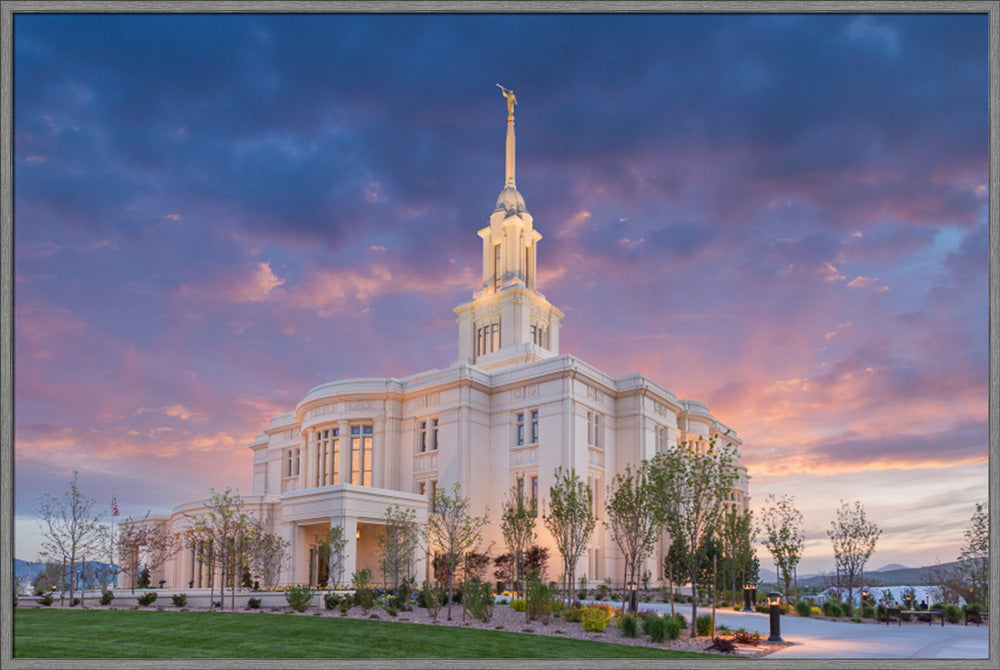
<point x="520" y="489"/>
<point x="519" y="429"/>
<point x="488" y="338"/>
<point x="322" y="456"/>
<point x="423" y="436"/>
<point x="534" y="494"/>
<point x="538" y="333"/>
<point x="292" y="461"/>
<point x="434" y="435"/>
<point x="534" y="426"/>
<point x="362" y="454"/>
<point x="595" y="433"/>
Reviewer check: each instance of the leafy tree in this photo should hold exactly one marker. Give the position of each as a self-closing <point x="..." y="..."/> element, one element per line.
<point x="505" y="570"/>
<point x="781" y="527"/>
<point x="975" y="556"/>
<point x="517" y="522"/>
<point x="536" y="559"/>
<point x="454" y="532"/>
<point x="396" y="544"/>
<point x="225" y="530"/>
<point x="634" y="518"/>
<point x="71" y="528"/>
<point x="331" y="549"/>
<point x="737" y="540"/>
<point x="141" y="535"/>
<point x="571" y="521"/>
<point x="270" y="552"/>
<point x="693" y="479"/>
<point x="853" y="537"/>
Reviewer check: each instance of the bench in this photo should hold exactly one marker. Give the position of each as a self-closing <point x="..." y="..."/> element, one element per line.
<point x="975" y="617"/>
<point x="897" y="613"/>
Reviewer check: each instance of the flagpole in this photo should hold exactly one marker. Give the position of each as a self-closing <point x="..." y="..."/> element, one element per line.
<point x="111" y="549"/>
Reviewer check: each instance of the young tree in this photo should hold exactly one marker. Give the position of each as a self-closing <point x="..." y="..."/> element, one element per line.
<point x="781" y="527"/>
<point x="70" y="527"/>
<point x="453" y="532"/>
<point x="737" y="540"/>
<point x="634" y="519"/>
<point x="693" y="479"/>
<point x="225" y="528"/>
<point x="853" y="537"/>
<point x="975" y="556"/>
<point x="136" y="536"/>
<point x="268" y="555"/>
<point x="517" y="522"/>
<point x="571" y="521"/>
<point x="331" y="549"/>
<point x="396" y="544"/>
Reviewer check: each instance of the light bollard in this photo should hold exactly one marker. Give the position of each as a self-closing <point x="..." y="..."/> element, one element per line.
<point x="774" y="602"/>
<point x="633" y="604"/>
<point x="748" y="589"/>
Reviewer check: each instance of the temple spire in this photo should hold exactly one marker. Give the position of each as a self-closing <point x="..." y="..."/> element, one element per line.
<point x="511" y="101"/>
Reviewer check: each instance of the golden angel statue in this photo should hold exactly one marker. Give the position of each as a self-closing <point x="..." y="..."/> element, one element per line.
<point x="511" y="101"/>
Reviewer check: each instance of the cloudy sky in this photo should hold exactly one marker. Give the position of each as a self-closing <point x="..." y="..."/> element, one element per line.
<point x="782" y="216"/>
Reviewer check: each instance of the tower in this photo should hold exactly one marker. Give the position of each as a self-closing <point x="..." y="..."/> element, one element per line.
<point x="508" y="321"/>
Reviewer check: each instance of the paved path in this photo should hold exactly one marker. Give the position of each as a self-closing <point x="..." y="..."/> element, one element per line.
<point x="819" y="638"/>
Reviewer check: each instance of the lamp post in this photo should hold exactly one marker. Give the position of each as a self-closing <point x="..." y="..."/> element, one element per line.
<point x="633" y="604"/>
<point x="864" y="596"/>
<point x="774" y="602"/>
<point x="749" y="595"/>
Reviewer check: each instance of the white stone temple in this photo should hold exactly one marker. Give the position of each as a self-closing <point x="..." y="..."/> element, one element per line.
<point x="509" y="411"/>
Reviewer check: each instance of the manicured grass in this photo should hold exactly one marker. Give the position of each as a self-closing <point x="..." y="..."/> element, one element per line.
<point x="44" y="633"/>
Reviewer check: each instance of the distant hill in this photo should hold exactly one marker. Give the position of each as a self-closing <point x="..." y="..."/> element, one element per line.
<point x="901" y="576"/>
<point x="27" y="571"/>
<point x="891" y="566"/>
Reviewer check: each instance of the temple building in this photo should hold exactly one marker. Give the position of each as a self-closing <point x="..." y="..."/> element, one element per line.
<point x="510" y="410"/>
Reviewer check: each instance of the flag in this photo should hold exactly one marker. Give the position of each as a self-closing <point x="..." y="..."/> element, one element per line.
<point x="114" y="506"/>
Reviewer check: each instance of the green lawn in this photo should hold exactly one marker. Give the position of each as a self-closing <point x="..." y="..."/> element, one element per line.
<point x="45" y="633"/>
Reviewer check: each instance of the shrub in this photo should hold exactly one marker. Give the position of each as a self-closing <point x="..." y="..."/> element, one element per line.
<point x="573" y="614"/>
<point x="581" y="595"/>
<point x="595" y="619"/>
<point x="146" y="599"/>
<point x="815" y="611"/>
<point x="430" y="599"/>
<point x="331" y="601"/>
<point x="46" y="599"/>
<point x="802" y="608"/>
<point x="737" y="608"/>
<point x="479" y="600"/>
<point x="107" y="597"/>
<point x="953" y="613"/>
<point x="144" y="579"/>
<point x="253" y="604"/>
<point x="868" y="611"/>
<point x="602" y="591"/>
<point x="746" y="637"/>
<point x="722" y="644"/>
<point x="404" y="593"/>
<point x="76" y="601"/>
<point x="654" y="626"/>
<point x="180" y="599"/>
<point x="518" y="604"/>
<point x="830" y="608"/>
<point x="704" y="625"/>
<point x="672" y="627"/>
<point x="763" y="608"/>
<point x="629" y="625"/>
<point x="365" y="598"/>
<point x="390" y="609"/>
<point x="682" y="621"/>
<point x="299" y="597"/>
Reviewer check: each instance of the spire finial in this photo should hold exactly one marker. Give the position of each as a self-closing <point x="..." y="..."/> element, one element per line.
<point x="511" y="101"/>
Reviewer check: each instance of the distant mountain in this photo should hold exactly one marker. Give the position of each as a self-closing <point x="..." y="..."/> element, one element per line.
<point x="895" y="576"/>
<point x="27" y="571"/>
<point x="891" y="566"/>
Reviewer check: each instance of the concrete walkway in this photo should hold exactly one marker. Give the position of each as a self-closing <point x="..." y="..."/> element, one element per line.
<point x="818" y="638"/>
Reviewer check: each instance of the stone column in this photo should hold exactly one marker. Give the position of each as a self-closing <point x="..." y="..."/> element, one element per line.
<point x="379" y="453"/>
